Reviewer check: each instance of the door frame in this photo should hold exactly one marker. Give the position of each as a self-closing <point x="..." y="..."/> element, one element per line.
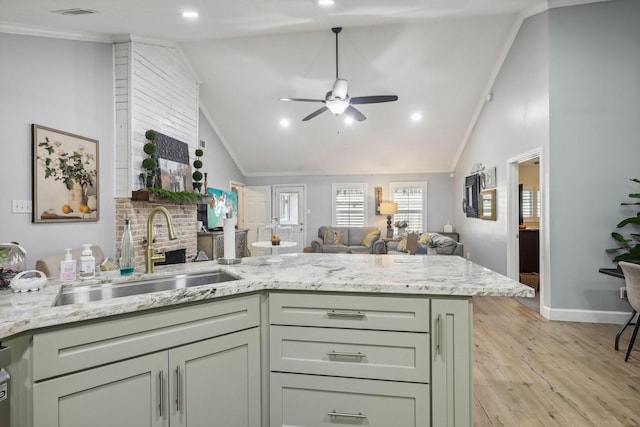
<point x="513" y="249"/>
<point x="274" y="206"/>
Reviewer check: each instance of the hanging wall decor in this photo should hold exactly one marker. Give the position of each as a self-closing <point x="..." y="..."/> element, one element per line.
<point x="65" y="176"/>
<point x="471" y="192"/>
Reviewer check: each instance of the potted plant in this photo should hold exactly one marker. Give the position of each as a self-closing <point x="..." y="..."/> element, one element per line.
<point x="433" y="245"/>
<point x="401" y="225"/>
<point x="150" y="164"/>
<point x="197" y="175"/>
<point x="628" y="248"/>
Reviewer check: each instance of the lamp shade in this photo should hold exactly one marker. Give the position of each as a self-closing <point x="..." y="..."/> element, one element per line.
<point x="388" y="208"/>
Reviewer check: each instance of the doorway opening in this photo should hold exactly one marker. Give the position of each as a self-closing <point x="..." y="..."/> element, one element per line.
<point x="525" y="224"/>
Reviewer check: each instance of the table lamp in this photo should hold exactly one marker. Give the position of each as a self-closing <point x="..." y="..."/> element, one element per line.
<point x="388" y="209"/>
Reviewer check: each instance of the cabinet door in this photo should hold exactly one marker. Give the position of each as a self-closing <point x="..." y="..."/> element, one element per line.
<point x="130" y="393"/>
<point x="452" y="362"/>
<point x="217" y="382"/>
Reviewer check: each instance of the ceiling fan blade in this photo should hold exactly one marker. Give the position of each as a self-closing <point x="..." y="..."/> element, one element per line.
<point x="315" y="113"/>
<point x="373" y="99"/>
<point x="302" y="99"/>
<point x="354" y="114"/>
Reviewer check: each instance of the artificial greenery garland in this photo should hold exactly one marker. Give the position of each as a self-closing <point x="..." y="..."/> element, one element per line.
<point x="177" y="196"/>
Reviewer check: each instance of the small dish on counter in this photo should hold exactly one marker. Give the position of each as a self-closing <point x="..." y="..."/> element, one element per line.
<point x="36" y="281"/>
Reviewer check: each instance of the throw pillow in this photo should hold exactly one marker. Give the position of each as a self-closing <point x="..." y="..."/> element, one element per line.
<point x="369" y="239"/>
<point x="332" y="237"/>
<point x="424" y="238"/>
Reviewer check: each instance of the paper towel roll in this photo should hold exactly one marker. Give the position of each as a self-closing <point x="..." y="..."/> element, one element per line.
<point x="229" y="238"/>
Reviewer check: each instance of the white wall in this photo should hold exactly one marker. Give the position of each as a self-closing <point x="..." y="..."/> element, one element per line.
<point x="594" y="148"/>
<point x="514" y="122"/>
<point x="155" y="89"/>
<point x="66" y="85"/>
<point x="440" y="199"/>
<point x="217" y="163"/>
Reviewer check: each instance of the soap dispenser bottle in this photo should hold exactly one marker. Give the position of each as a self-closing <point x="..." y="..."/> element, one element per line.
<point x="127" y="253"/>
<point x="68" y="267"/>
<point x="87" y="263"/>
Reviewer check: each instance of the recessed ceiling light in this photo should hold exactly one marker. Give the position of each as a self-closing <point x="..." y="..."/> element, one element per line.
<point x="285" y="123"/>
<point x="348" y="120"/>
<point x="326" y="2"/>
<point x="190" y="14"/>
<point x="416" y="117"/>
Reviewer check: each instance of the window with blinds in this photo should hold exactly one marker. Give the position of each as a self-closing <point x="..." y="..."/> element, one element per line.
<point x="530" y="203"/>
<point x="349" y="205"/>
<point x="411" y="199"/>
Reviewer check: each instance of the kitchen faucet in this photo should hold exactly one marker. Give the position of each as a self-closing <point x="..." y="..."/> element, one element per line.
<point x="150" y="257"/>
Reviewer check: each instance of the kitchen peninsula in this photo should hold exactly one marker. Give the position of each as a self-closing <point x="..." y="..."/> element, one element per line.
<point x="315" y="337"/>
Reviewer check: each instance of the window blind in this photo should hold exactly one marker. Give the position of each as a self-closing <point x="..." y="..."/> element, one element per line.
<point x="410" y="202"/>
<point x="349" y="207"/>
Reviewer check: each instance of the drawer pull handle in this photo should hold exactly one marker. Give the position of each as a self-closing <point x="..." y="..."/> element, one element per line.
<point x="359" y="415"/>
<point x="355" y="314"/>
<point x="345" y="354"/>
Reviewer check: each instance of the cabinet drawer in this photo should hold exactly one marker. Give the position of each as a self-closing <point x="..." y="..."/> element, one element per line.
<point x="399" y="356"/>
<point x="80" y="347"/>
<point x="350" y="311"/>
<point x="313" y="401"/>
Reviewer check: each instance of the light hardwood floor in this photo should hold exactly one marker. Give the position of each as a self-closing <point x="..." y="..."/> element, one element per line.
<point x="529" y="371"/>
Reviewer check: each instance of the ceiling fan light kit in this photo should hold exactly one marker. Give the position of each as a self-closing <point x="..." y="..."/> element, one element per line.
<point x="337" y="99"/>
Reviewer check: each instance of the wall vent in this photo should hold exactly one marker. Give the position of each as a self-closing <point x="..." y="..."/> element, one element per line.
<point x="74" y="12"/>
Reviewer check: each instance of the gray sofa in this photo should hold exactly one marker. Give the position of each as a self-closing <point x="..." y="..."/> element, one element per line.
<point x="352" y="238"/>
<point x="449" y="245"/>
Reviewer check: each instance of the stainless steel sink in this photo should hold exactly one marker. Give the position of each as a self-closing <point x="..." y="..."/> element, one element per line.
<point x="76" y="294"/>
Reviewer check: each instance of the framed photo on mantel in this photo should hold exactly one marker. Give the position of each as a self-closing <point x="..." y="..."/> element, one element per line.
<point x="65" y="176"/>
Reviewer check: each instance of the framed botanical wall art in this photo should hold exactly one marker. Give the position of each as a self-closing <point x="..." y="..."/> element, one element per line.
<point x="65" y="176"/>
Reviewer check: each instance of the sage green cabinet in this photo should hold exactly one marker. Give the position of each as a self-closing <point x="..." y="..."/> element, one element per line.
<point x="451" y="362"/>
<point x="319" y="401"/>
<point x="216" y="379"/>
<point x="216" y="382"/>
<point x="122" y="394"/>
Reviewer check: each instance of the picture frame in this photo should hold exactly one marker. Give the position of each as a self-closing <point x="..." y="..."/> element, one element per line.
<point x="471" y="191"/>
<point x="65" y="186"/>
<point x="489" y="178"/>
<point x="173" y="164"/>
<point x="487" y="204"/>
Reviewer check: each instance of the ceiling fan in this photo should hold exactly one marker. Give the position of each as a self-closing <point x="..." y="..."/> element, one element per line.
<point x="337" y="100"/>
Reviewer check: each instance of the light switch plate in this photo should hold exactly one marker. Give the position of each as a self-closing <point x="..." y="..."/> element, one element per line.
<point x="21" y="206"/>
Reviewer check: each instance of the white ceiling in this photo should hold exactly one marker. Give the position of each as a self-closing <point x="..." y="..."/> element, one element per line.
<point x="438" y="56"/>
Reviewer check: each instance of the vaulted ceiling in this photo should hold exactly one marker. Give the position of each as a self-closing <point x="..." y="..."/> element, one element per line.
<point x="438" y="56"/>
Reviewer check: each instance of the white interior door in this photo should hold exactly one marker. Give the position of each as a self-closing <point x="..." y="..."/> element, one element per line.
<point x="290" y="208"/>
<point x="256" y="211"/>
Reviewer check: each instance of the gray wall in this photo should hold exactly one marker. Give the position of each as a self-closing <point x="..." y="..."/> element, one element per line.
<point x="220" y="167"/>
<point x="513" y="123"/>
<point x="594" y="147"/>
<point x="66" y="85"/>
<point x="439" y="196"/>
<point x="586" y="61"/>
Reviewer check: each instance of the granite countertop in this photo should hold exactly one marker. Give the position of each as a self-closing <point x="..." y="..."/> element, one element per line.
<point x="392" y="274"/>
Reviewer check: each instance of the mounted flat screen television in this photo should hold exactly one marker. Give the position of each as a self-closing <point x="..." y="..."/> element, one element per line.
<point x="223" y="204"/>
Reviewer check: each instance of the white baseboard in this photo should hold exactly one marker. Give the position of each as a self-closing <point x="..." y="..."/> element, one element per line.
<point x="584" y="316"/>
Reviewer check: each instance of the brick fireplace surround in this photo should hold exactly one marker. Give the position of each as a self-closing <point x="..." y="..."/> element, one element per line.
<point x="184" y="221"/>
